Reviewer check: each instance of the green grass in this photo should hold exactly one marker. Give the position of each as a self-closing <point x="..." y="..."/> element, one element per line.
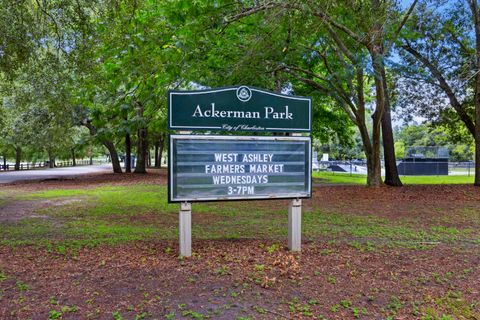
<point x="68" y="220"/>
<point x="450" y="306"/>
<point x="339" y="178"/>
<point x="4" y="196"/>
<point x="114" y="215"/>
<point x="342" y="178"/>
<point x="121" y="214"/>
<point x="372" y="229"/>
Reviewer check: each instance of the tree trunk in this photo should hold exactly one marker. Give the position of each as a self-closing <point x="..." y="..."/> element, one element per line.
<point x="141" y="143"/>
<point x="391" y="172"/>
<point x="477" y="150"/>
<point x="141" y="151"/>
<point x="117" y="168"/>
<point x="155" y="154"/>
<point x="476" y="21"/>
<point x="374" y="173"/>
<point x="375" y="49"/>
<point x="372" y="152"/>
<point x="74" y="163"/>
<point x="377" y="115"/>
<point x="51" y="160"/>
<point x="371" y="144"/>
<point x="4" y="162"/>
<point x="374" y="176"/>
<point x="128" y="153"/>
<point x="18" y="157"/>
<point x="160" y="151"/>
<point x="477" y="124"/>
<point x="476" y="135"/>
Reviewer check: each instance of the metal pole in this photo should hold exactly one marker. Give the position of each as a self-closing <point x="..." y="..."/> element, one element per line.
<point x="185" y="229"/>
<point x="295" y="225"/>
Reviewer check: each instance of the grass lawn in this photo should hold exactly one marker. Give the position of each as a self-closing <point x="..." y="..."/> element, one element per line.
<point x="345" y="178"/>
<point x="110" y="252"/>
<point x="119" y="214"/>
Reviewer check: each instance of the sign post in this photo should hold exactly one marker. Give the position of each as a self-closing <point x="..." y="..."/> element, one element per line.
<point x="185" y="229"/>
<point x="209" y="167"/>
<point x="295" y="225"/>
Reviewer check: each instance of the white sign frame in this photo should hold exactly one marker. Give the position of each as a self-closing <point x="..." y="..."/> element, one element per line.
<point x="308" y="158"/>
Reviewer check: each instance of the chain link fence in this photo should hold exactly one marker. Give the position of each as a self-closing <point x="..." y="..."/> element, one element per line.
<point x="435" y="168"/>
<point x="417" y="161"/>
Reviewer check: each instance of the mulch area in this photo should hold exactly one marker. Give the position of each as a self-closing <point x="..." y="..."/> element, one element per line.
<point x="241" y="278"/>
<point x="226" y="279"/>
<point x="418" y="202"/>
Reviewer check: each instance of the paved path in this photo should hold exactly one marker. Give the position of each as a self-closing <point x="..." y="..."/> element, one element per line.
<point x="55" y="173"/>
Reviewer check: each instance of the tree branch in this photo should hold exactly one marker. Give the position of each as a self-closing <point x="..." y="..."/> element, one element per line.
<point x="337" y="94"/>
<point x="341" y="45"/>
<point x="445" y="87"/>
<point x="57" y="31"/>
<point x="323" y="16"/>
<point x="467" y="51"/>
<point x="250" y="11"/>
<point x="346" y="68"/>
<point x="402" y="24"/>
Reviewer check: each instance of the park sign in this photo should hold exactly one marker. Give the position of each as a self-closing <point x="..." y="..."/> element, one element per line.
<point x="206" y="167"/>
<point x="238" y="109"/>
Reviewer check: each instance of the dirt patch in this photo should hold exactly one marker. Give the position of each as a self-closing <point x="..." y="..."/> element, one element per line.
<point x="17" y="210"/>
<point x="422" y="203"/>
<point x="59" y="202"/>
<point x="229" y="279"/>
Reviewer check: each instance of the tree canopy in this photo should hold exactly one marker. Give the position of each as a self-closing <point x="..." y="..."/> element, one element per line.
<point x="93" y="75"/>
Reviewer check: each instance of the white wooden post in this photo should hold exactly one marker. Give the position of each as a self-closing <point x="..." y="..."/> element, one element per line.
<point x="185" y="229"/>
<point x="295" y="225"/>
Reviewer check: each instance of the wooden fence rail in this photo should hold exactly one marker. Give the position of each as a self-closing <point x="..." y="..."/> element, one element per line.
<point x="45" y="164"/>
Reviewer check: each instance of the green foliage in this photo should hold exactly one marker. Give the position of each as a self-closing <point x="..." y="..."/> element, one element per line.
<point x="451" y="305"/>
<point x="117" y="315"/>
<point x="223" y="50"/>
<point x="350" y="148"/>
<point x="437" y="73"/>
<point x="3" y="276"/>
<point x="67" y="64"/>
<point x="37" y="118"/>
<point x="17" y="39"/>
<point x="426" y="135"/>
<point x="54" y="314"/>
<point x="21" y="286"/>
<point x="399" y="149"/>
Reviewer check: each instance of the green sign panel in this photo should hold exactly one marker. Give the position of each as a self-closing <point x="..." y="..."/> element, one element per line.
<point x="206" y="168"/>
<point x="238" y="109"/>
